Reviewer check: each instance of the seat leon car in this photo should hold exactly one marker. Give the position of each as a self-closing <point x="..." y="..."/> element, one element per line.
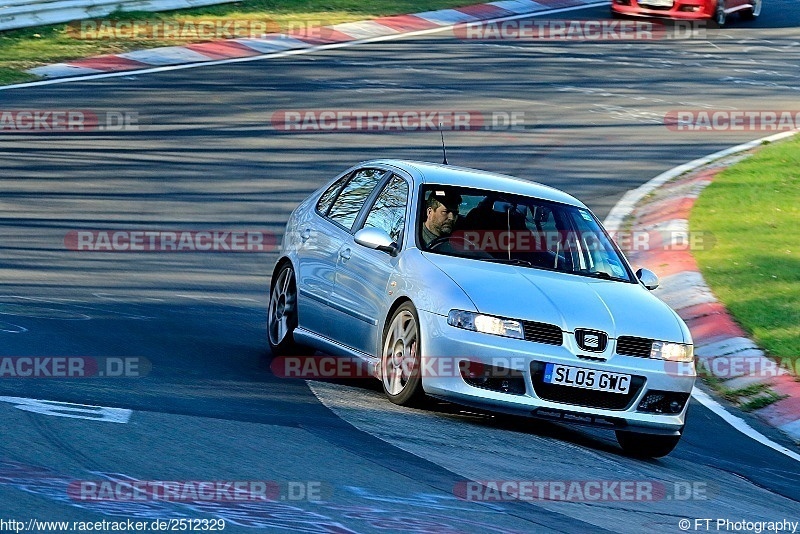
<point x="484" y="290"/>
<point x="716" y="10"/>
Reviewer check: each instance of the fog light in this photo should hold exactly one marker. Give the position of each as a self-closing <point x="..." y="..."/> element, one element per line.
<point x="494" y="378"/>
<point x="668" y="402"/>
<point x="649" y="401"/>
<point x="480" y="380"/>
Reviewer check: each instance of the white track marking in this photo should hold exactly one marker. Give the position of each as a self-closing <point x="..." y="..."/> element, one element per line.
<point x="286" y="53"/>
<point x="70" y="410"/>
<point x="626" y="204"/>
<point x="17" y="329"/>
<point x="739" y="424"/>
<point x="624" y="207"/>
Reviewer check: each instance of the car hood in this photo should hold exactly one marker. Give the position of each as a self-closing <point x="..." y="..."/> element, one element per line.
<point x="569" y="301"/>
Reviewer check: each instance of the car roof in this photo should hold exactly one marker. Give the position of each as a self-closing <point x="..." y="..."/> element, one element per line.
<point x="437" y="173"/>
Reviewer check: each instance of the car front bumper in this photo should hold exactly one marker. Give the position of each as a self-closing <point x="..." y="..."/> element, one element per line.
<point x="444" y="347"/>
<point x="679" y="10"/>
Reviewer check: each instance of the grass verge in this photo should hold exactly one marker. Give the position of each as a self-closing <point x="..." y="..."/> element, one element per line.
<point x="30" y="47"/>
<point x="752" y="210"/>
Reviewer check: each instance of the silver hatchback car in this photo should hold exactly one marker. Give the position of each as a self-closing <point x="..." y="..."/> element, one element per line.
<point x="485" y="290"/>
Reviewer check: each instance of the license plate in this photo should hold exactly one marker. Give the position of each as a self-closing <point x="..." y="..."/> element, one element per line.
<point x="656" y="3"/>
<point x="578" y="377"/>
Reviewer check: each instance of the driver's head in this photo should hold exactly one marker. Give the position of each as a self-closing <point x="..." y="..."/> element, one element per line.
<point x="442" y="211"/>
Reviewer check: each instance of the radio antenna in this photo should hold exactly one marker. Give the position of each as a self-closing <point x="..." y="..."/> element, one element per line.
<point x="444" y="148"/>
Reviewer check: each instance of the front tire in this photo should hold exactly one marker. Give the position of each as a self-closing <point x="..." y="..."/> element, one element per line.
<point x="720" y="17"/>
<point x="282" y="316"/>
<point x="400" y="357"/>
<point x="646" y="445"/>
<point x="752" y="13"/>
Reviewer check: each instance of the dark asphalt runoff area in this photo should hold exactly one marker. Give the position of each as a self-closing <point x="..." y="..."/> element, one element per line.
<point x="339" y="457"/>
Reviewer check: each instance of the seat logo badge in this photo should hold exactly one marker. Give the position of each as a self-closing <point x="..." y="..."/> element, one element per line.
<point x="592" y="340"/>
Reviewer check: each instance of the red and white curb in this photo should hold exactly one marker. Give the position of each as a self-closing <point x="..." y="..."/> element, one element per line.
<point x="379" y="29"/>
<point x="663" y="204"/>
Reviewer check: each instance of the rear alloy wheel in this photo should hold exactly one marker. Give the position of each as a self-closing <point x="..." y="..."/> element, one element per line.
<point x="753" y="12"/>
<point x="646" y="445"/>
<point x="400" y="357"/>
<point x="720" y="17"/>
<point x="282" y="314"/>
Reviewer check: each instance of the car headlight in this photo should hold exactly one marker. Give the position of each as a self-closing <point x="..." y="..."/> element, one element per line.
<point x="486" y="324"/>
<point x="674" y="352"/>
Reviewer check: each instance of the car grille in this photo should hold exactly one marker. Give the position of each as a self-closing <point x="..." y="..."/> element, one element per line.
<point x="634" y="346"/>
<point x="647" y="5"/>
<point x="543" y="333"/>
<point x="583" y="397"/>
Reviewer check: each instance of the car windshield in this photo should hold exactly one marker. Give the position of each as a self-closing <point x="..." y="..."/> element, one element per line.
<point x="530" y="232"/>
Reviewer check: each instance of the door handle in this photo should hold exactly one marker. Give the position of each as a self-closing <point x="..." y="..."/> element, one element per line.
<point x="344" y="254"/>
<point x="306" y="234"/>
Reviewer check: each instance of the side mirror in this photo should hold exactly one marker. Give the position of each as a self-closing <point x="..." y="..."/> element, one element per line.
<point x="376" y="239"/>
<point x="648" y="278"/>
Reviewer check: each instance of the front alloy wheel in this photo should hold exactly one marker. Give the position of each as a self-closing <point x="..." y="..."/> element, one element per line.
<point x="282" y="318"/>
<point x="400" y="357"/>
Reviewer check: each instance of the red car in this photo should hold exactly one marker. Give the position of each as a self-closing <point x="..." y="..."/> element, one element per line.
<point x="718" y="10"/>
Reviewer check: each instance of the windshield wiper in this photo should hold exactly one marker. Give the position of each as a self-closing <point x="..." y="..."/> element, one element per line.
<point x="512" y="261"/>
<point x="601" y="274"/>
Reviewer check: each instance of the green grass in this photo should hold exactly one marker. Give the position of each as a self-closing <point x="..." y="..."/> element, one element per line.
<point x="752" y="209"/>
<point x="30" y="47"/>
<point x="734" y="395"/>
<point x="762" y="401"/>
<point x="748" y="398"/>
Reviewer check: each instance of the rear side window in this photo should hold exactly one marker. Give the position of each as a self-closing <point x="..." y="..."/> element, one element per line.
<point x="327" y="197"/>
<point x="348" y="204"/>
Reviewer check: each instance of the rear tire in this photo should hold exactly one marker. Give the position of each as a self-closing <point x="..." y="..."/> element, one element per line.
<point x="646" y="445"/>
<point x="401" y="375"/>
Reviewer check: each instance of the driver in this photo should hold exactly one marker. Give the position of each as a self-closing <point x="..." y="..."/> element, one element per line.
<point x="441" y="214"/>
